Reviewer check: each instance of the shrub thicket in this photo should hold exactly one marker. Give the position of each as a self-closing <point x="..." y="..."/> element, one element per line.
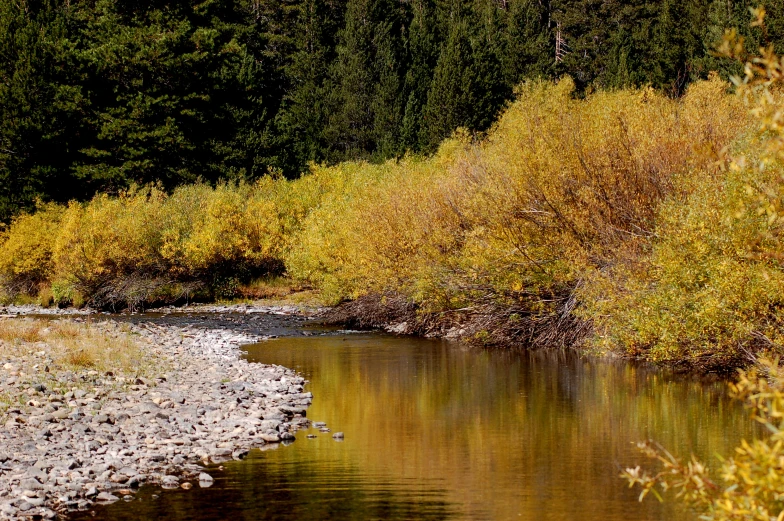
<point x="145" y="245"/>
<point x="715" y="278"/>
<point x="505" y="230"/>
<point x="709" y="289"/>
<point x="748" y="486"/>
<point x="619" y="211"/>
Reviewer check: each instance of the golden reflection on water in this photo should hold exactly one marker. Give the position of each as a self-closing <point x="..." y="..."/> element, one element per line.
<point x="506" y="436"/>
<point x="438" y="431"/>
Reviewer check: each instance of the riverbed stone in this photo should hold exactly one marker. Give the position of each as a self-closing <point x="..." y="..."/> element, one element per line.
<point x="83" y="436"/>
<point x="106" y="497"/>
<point x="170" y="482"/>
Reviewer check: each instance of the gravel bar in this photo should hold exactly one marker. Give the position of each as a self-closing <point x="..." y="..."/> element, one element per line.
<point x="107" y="435"/>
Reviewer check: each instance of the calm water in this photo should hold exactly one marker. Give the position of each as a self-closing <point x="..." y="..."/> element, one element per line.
<point x="437" y="431"/>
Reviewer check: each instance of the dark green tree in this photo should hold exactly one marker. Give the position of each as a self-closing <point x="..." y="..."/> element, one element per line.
<point x="304" y="112"/>
<point x="365" y="100"/>
<point x="40" y="106"/>
<point x="423" y="51"/>
<point x="468" y="88"/>
<point x="527" y="46"/>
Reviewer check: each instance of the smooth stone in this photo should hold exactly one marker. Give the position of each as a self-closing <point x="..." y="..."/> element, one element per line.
<point x="170" y="481"/>
<point x="35" y="501"/>
<point x="106" y="497"/>
<point x="270" y="437"/>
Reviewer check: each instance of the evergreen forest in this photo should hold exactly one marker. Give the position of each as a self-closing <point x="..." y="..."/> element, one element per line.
<point x="101" y="95"/>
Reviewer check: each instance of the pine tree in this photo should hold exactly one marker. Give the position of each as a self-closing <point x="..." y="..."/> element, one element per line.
<point x="349" y="130"/>
<point x="423" y="55"/>
<point x="468" y="86"/>
<point x="304" y="113"/>
<point x="365" y="101"/>
<point x="387" y="98"/>
<point x="39" y="109"/>
<point x="448" y="100"/>
<point x="526" y="42"/>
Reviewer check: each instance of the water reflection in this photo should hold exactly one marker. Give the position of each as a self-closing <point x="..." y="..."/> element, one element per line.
<point x="436" y="431"/>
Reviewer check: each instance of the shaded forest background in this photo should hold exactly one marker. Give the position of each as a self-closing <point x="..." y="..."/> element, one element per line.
<point x="99" y="95"/>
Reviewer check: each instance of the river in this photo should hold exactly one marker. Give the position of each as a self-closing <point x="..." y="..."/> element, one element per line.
<point x="436" y="430"/>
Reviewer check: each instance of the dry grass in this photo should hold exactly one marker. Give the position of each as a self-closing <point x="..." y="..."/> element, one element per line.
<point x="18" y="332"/>
<point x="73" y="345"/>
<point x="270" y="288"/>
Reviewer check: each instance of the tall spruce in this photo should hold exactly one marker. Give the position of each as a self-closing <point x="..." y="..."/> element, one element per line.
<point x="304" y="111"/>
<point x="422" y="55"/>
<point x="526" y="42"/>
<point x="365" y="109"/>
<point x="468" y="87"/>
<point x="40" y="108"/>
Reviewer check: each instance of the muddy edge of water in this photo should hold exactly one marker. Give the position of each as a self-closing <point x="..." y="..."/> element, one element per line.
<point x="107" y="435"/>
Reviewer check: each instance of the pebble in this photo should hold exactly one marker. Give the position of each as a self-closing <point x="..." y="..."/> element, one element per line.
<point x="88" y="437"/>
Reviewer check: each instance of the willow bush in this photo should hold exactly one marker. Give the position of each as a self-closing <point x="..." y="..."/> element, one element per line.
<point x="710" y="288"/>
<point x="145" y="244"/>
<point x="559" y="190"/>
<point x="721" y="301"/>
<point x="749" y="484"/>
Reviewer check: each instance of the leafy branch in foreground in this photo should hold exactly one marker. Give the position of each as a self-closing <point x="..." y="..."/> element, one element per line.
<point x="751" y="483"/>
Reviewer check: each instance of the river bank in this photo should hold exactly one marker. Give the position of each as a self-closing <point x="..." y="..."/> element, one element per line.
<point x="70" y="438"/>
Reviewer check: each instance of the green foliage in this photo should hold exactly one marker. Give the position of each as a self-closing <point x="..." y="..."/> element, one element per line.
<point x="40" y="106"/>
<point x="98" y="96"/>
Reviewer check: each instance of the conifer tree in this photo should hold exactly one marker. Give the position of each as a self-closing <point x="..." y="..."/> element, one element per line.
<point x="304" y="113"/>
<point x="526" y="41"/>
<point x="449" y="98"/>
<point x="366" y="81"/>
<point x="468" y="87"/>
<point x="39" y="108"/>
<point x="387" y="97"/>
<point x="423" y="54"/>
<point x="350" y="126"/>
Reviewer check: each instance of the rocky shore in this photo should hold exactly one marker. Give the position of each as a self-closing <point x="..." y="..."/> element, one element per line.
<point x="80" y="437"/>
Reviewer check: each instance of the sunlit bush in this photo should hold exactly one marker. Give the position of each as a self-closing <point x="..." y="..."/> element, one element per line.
<point x="703" y="295"/>
<point x="711" y="290"/>
<point x="559" y="189"/>
<point x="145" y="244"/>
<point x="26" y="250"/>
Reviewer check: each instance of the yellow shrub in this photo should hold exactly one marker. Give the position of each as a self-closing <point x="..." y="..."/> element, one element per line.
<point x="556" y="191"/>
<point x="711" y="290"/>
<point x="26" y="249"/>
<point x="224" y="224"/>
<point x="703" y="294"/>
<point x="108" y="237"/>
<point x="749" y="485"/>
<point x="133" y="246"/>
